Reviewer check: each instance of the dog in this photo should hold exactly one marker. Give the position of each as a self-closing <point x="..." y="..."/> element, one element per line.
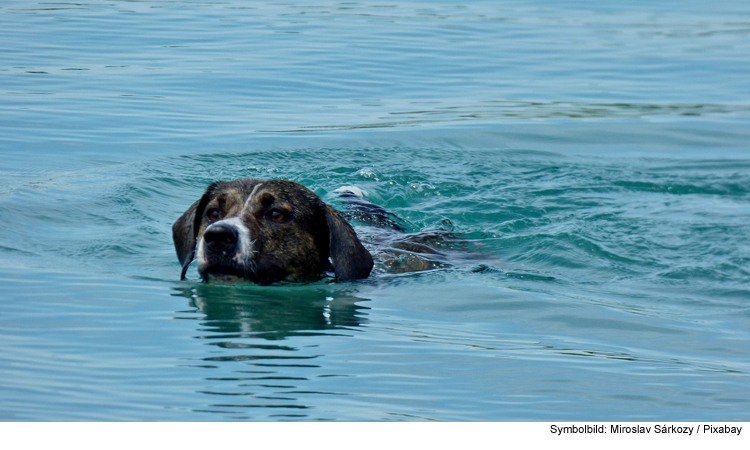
<point x="266" y="231"/>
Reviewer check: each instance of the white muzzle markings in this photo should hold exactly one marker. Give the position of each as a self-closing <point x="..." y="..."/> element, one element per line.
<point x="245" y="251"/>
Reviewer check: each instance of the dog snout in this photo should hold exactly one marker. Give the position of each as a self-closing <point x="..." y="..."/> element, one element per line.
<point x="221" y="237"/>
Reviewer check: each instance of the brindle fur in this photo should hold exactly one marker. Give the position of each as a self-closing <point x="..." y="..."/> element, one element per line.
<point x="295" y="248"/>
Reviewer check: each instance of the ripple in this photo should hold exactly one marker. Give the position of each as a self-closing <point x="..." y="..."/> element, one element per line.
<point x="499" y="110"/>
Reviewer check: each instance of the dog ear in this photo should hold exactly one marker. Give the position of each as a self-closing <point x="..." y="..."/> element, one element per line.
<point x="350" y="259"/>
<point x="185" y="231"/>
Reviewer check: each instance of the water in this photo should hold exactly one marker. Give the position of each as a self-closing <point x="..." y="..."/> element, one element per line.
<point x="595" y="156"/>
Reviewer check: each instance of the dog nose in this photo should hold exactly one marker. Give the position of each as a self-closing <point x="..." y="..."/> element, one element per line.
<point x="221" y="237"/>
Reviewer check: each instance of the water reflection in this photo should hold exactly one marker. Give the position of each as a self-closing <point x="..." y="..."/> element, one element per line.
<point x="263" y="352"/>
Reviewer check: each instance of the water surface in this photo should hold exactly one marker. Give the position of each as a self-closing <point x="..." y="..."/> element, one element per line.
<point x="595" y="158"/>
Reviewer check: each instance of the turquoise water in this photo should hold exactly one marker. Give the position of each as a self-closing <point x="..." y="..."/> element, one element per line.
<point x="594" y="156"/>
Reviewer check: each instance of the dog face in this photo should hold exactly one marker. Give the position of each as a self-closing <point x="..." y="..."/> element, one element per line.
<point x="266" y="231"/>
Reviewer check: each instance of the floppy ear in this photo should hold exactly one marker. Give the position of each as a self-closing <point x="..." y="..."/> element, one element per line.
<point x="185" y="231"/>
<point x="350" y="259"/>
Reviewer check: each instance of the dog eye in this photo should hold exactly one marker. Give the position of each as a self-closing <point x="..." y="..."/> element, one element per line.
<point x="213" y="215"/>
<point x="277" y="215"/>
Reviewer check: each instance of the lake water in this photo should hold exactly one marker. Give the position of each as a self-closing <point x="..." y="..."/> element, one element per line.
<point x="595" y="156"/>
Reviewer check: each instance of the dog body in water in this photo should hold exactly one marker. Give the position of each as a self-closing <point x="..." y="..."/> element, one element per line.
<point x="266" y="231"/>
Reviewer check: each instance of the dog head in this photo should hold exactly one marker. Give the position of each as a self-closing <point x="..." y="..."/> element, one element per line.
<point x="266" y="231"/>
